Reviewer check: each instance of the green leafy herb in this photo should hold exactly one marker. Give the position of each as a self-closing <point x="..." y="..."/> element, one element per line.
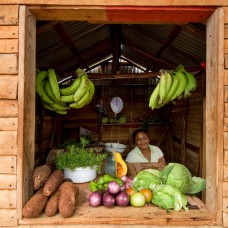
<point x="76" y="157"/>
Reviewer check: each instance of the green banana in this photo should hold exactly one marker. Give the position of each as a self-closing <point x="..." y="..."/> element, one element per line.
<point x="79" y="93"/>
<point x="59" y="107"/>
<point x="47" y="88"/>
<point x="70" y="90"/>
<point x="48" y="106"/>
<point x="192" y="84"/>
<point x="40" y="80"/>
<point x="83" y="101"/>
<point x="67" y="99"/>
<point x="162" y="87"/>
<point x="91" y="90"/>
<point x="172" y="90"/>
<point x="61" y="112"/>
<point x="181" y="86"/>
<point x="169" y="81"/>
<point x="154" y="97"/>
<point x="54" y="83"/>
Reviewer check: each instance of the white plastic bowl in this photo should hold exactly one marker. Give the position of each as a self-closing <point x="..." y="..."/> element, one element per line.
<point x="80" y="175"/>
<point x="117" y="146"/>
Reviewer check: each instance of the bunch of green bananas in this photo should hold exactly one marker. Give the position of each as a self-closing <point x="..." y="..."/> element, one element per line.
<point x="77" y="95"/>
<point x="173" y="84"/>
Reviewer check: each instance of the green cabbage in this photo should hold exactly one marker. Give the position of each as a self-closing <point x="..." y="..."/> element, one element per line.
<point x="178" y="176"/>
<point x="168" y="197"/>
<point x="145" y="179"/>
<point x="198" y="185"/>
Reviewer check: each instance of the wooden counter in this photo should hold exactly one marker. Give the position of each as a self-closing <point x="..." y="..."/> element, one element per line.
<point x="147" y="215"/>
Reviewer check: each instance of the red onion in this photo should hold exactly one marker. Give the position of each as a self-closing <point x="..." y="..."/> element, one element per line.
<point x="122" y="199"/>
<point x="113" y="187"/>
<point x="124" y="179"/>
<point x="108" y="199"/>
<point x="95" y="199"/>
<point x="122" y="188"/>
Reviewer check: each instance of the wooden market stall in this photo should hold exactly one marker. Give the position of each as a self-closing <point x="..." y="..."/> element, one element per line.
<point x="20" y="125"/>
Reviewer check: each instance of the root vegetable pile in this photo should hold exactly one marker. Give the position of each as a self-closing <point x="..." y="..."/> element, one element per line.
<point x="52" y="194"/>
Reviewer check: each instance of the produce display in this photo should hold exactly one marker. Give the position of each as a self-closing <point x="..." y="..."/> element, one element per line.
<point x="76" y="95"/>
<point x="167" y="189"/>
<point x="173" y="84"/>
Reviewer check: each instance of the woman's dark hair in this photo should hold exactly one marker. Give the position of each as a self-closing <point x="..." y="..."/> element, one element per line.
<point x="136" y="132"/>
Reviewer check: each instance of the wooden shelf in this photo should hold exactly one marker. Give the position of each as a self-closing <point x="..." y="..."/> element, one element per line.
<point x="135" y="124"/>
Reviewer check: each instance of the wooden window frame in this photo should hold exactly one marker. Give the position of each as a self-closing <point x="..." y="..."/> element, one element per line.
<point x="214" y="104"/>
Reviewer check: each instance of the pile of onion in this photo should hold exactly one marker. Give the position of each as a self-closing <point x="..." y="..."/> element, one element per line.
<point x="113" y="196"/>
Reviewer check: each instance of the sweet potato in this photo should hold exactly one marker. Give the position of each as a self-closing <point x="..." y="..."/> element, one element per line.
<point x="67" y="201"/>
<point x="53" y="204"/>
<point x="35" y="205"/>
<point x="40" y="176"/>
<point x="53" y="182"/>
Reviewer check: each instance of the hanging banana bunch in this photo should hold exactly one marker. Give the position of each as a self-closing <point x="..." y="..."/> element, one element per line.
<point x="59" y="100"/>
<point x="172" y="85"/>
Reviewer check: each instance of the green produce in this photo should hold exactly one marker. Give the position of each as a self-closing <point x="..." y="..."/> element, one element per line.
<point x="145" y="179"/>
<point x="198" y="185"/>
<point x="83" y="87"/>
<point x="41" y="76"/>
<point x="54" y="83"/>
<point x="104" y="119"/>
<point x="168" y="197"/>
<point x="178" y="176"/>
<point x="122" y="119"/>
<point x="70" y="90"/>
<point x="173" y="85"/>
<point x="102" y="182"/>
<point x="156" y="172"/>
<point x="137" y="199"/>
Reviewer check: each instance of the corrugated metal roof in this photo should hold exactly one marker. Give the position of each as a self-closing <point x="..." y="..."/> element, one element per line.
<point x="68" y="45"/>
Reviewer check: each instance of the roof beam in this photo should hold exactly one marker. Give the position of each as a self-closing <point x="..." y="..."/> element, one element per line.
<point x="115" y="32"/>
<point x="148" y="55"/>
<point x="172" y="36"/>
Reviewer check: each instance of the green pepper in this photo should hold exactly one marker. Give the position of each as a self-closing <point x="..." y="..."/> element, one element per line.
<point x="100" y="180"/>
<point x="93" y="186"/>
<point x="100" y="186"/>
<point x="108" y="178"/>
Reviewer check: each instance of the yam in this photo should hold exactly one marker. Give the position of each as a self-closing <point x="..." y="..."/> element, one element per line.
<point x="40" y="176"/>
<point x="35" y="205"/>
<point x="53" y="204"/>
<point x="67" y="201"/>
<point x="53" y="182"/>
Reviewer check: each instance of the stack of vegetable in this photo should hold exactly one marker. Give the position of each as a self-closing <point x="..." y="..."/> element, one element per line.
<point x="169" y="186"/>
<point x="52" y="194"/>
<point x="109" y="191"/>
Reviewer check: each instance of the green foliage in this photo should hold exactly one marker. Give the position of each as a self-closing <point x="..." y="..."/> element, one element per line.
<point x="78" y="156"/>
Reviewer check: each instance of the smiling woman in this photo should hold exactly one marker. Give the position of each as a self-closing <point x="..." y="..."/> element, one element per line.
<point x="144" y="152"/>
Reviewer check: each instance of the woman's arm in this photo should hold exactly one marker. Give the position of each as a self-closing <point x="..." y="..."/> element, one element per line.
<point x="161" y="161"/>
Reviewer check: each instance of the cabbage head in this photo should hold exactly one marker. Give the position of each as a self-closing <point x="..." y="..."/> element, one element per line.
<point x="178" y="176"/>
<point x="168" y="197"/>
<point x="145" y="179"/>
<point x="198" y="185"/>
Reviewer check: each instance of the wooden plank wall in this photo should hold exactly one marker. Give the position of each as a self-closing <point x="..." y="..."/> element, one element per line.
<point x="8" y="115"/>
<point x="225" y="168"/>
